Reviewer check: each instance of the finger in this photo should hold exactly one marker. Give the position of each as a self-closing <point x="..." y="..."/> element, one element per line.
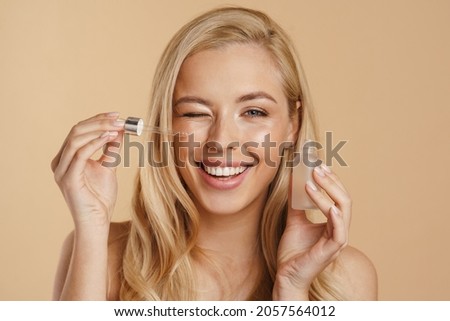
<point x="71" y="149"/>
<point x="335" y="239"/>
<point x="56" y="159"/>
<point x="111" y="152"/>
<point x="110" y="116"/>
<point x="101" y="116"/>
<point x="102" y="124"/>
<point x="339" y="231"/>
<point x="319" y="198"/>
<point x="333" y="176"/>
<point x="73" y="142"/>
<point x="340" y="197"/>
<point x="85" y="153"/>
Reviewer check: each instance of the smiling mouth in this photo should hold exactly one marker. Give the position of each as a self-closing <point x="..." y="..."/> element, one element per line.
<point x="223" y="172"/>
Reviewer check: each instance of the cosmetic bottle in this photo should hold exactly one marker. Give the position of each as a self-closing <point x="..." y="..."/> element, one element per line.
<point x="306" y="157"/>
<point x="301" y="173"/>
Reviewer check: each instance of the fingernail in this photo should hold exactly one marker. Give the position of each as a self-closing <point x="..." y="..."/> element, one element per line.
<point x="325" y="168"/>
<point x="311" y="185"/>
<point x="334" y="210"/>
<point x="112" y="114"/>
<point x="104" y="135"/>
<point x="113" y="134"/>
<point x="319" y="171"/>
<point x="119" y="123"/>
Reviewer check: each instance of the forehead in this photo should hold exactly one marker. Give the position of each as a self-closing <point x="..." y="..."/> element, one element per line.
<point x="233" y="68"/>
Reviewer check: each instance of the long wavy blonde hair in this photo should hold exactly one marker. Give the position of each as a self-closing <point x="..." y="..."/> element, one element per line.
<point x="161" y="246"/>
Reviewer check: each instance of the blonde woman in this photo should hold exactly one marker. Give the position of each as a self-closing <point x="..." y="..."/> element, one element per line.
<point x="213" y="223"/>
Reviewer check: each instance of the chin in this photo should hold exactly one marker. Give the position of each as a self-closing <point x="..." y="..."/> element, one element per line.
<point x="223" y="207"/>
<point x="229" y="203"/>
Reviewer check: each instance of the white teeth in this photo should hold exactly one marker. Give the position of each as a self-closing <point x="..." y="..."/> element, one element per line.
<point x="223" y="171"/>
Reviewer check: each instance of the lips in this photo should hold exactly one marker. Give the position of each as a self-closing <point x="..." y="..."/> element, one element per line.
<point x="223" y="171"/>
<point x="223" y="177"/>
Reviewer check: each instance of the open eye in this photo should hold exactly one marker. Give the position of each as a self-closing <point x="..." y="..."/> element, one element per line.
<point x="255" y="113"/>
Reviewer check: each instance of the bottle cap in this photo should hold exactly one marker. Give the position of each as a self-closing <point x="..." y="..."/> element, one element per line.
<point x="134" y="126"/>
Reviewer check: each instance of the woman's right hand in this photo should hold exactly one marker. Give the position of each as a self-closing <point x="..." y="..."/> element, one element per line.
<point x="89" y="188"/>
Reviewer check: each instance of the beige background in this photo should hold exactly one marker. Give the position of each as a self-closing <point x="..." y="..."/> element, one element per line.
<point x="379" y="73"/>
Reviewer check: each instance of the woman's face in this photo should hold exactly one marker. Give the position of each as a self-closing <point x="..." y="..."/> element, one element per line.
<point x="230" y="100"/>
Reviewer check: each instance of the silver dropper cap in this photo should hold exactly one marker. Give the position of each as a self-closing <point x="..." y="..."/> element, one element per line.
<point x="134" y="126"/>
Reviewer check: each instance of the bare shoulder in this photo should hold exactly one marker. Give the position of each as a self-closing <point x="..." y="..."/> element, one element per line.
<point x="118" y="237"/>
<point x="358" y="275"/>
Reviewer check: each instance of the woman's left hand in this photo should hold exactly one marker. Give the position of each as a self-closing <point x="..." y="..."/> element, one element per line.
<point x="307" y="248"/>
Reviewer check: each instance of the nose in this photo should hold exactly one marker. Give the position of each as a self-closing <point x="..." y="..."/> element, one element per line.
<point x="222" y="140"/>
<point x="223" y="134"/>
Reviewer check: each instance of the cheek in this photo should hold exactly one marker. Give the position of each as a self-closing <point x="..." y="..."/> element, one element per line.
<point x="193" y="134"/>
<point x="185" y="166"/>
<point x="186" y="149"/>
<point x="270" y="147"/>
<point x="198" y="128"/>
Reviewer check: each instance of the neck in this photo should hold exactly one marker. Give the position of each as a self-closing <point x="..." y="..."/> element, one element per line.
<point x="232" y="236"/>
<point x="231" y="240"/>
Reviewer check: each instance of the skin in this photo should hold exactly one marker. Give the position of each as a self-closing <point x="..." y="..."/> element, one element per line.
<point x="209" y="103"/>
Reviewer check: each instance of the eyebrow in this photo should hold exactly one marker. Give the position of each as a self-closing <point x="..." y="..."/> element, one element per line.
<point x="192" y="100"/>
<point x="256" y="95"/>
<point x="243" y="98"/>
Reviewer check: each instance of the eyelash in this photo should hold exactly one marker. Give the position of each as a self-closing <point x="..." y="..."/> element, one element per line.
<point x="194" y="115"/>
<point x="261" y="113"/>
<point x="250" y="113"/>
